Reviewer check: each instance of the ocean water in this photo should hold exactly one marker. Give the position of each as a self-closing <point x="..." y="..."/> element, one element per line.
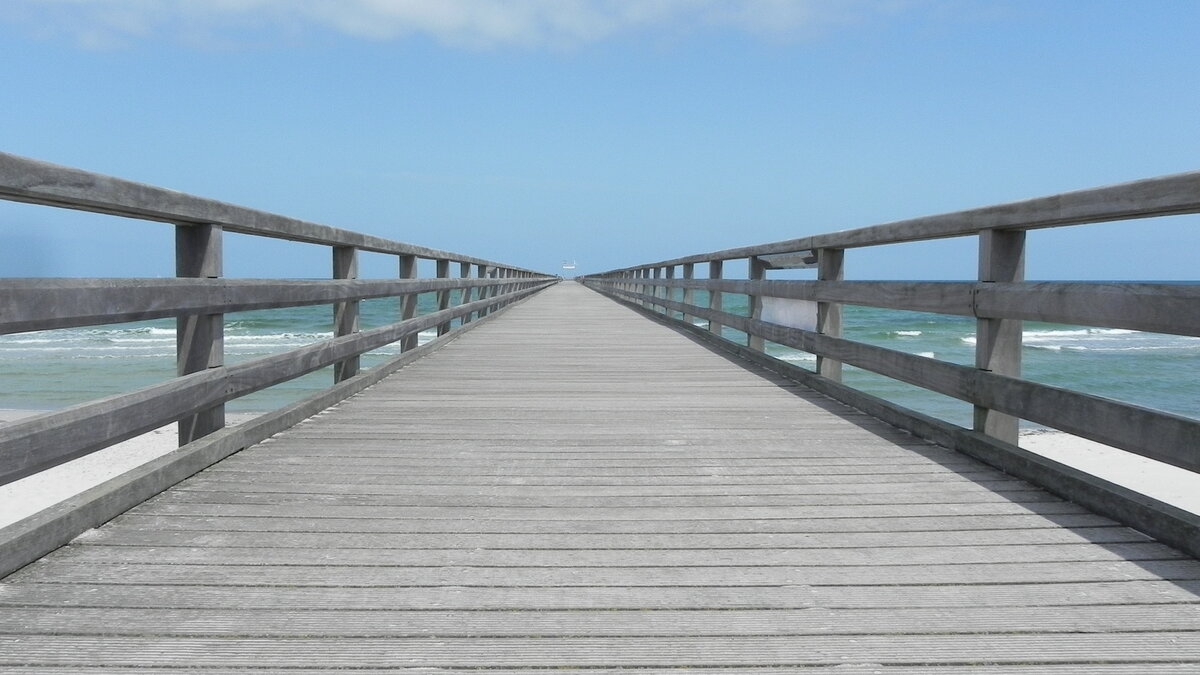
<point x="54" y="369"/>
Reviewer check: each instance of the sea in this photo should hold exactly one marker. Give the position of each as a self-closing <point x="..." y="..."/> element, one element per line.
<point x="54" y="369"/>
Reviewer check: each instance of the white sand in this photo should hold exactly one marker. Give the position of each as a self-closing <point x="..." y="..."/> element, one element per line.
<point x="1170" y="484"/>
<point x="27" y="496"/>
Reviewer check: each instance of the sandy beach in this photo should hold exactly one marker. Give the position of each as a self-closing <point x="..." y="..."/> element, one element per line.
<point x="25" y="497"/>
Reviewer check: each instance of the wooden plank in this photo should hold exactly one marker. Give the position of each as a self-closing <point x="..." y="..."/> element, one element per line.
<point x="345" y="314"/>
<point x="575" y="623"/>
<point x="706" y="651"/>
<point x="167" y="531"/>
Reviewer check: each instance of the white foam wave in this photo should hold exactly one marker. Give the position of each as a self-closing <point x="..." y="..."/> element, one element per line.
<point x="907" y="333"/>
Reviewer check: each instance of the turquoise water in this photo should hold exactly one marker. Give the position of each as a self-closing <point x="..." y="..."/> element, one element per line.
<point x="55" y="369"/>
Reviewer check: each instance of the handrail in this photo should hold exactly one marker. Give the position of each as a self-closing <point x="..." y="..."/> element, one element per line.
<point x="1153" y="197"/>
<point x="32" y="181"/>
<point x="199" y="298"/>
<point x="1000" y="300"/>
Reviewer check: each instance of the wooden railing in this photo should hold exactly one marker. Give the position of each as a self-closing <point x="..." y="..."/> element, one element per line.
<point x="1000" y="299"/>
<point x="199" y="298"/>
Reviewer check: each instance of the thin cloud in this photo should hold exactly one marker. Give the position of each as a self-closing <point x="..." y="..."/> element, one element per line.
<point x="478" y="24"/>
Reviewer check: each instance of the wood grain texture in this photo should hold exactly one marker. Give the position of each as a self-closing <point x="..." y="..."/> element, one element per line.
<point x="600" y="493"/>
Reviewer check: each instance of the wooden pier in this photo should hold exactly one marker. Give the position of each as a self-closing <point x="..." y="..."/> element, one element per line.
<point x="571" y="485"/>
<point x="608" y="476"/>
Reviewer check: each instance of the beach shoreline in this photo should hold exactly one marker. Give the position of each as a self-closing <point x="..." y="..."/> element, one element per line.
<point x="25" y="497"/>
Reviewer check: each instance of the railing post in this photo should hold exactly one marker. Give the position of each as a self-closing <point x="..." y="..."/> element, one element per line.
<point x="345" y="314"/>
<point x="998" y="341"/>
<point x="199" y="338"/>
<point x="408" y="301"/>
<point x="658" y="290"/>
<point x="464" y="296"/>
<point x="830" y="267"/>
<point x="715" y="268"/>
<point x="689" y="294"/>
<point x="668" y="291"/>
<point x="443" y="297"/>
<point x="757" y="272"/>
<point x="485" y="272"/>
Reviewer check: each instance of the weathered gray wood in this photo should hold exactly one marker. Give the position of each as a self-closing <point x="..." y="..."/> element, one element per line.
<point x="1161" y="308"/>
<point x="715" y="271"/>
<point x="1151" y="433"/>
<point x="560" y="623"/>
<point x="1164" y="521"/>
<point x="585" y="652"/>
<point x="28" y="180"/>
<point x="1169" y="195"/>
<point x="43" y="441"/>
<point x="443" y="297"/>
<point x="27" y="540"/>
<point x="757" y="271"/>
<point x="364" y="537"/>
<point x="199" y="338"/>
<point x="408" y="303"/>
<point x="464" y="273"/>
<point x="830" y="268"/>
<point x="345" y="314"/>
<point x="998" y="341"/>
<point x="40" y="304"/>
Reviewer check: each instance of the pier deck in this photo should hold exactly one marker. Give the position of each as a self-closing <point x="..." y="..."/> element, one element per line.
<point x="573" y="486"/>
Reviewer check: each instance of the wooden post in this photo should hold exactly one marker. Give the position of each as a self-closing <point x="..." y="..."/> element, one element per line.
<point x="199" y="338"/>
<point x="485" y="272"/>
<point x="443" y="297"/>
<point x="656" y="290"/>
<point x="757" y="272"/>
<point x="668" y="291"/>
<point x="464" y="296"/>
<point x="689" y="294"/>
<point x="345" y="314"/>
<point x="998" y="341"/>
<point x="408" y="301"/>
<point x="715" y="268"/>
<point x="830" y="267"/>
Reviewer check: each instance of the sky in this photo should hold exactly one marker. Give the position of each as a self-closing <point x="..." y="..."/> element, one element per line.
<point x="608" y="132"/>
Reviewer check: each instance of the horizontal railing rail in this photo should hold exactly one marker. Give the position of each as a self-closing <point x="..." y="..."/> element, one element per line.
<point x="200" y="297"/>
<point x="999" y="300"/>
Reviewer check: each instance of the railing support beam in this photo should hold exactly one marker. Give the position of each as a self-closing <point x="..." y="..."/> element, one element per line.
<point x="199" y="338"/>
<point x="757" y="271"/>
<point x="408" y="302"/>
<point x="830" y="267"/>
<point x="345" y="314"/>
<point x="715" y="269"/>
<point x="998" y="341"/>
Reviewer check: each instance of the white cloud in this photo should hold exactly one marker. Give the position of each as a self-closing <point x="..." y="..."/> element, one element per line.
<point x="463" y="23"/>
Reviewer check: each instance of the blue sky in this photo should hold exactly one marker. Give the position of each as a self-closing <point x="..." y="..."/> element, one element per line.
<point x="610" y="132"/>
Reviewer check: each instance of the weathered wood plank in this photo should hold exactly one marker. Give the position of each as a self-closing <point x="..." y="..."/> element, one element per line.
<point x="706" y="651"/>
<point x="567" y="623"/>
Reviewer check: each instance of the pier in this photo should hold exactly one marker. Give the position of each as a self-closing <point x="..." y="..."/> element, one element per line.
<point x="591" y="475"/>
